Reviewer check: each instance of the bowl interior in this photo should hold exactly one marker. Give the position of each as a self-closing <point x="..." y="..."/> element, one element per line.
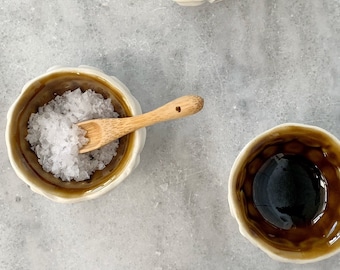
<point x="319" y="239"/>
<point x="38" y="94"/>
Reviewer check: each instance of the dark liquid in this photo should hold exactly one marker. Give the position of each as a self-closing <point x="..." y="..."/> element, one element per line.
<point x="289" y="191"/>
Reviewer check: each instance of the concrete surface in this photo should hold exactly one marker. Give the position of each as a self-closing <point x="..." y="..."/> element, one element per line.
<point x="256" y="63"/>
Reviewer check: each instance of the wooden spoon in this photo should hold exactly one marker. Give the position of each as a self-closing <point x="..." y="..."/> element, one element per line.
<point x="103" y="131"/>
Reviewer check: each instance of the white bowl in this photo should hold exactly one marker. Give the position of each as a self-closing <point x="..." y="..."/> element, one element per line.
<point x="42" y="89"/>
<point x="308" y="244"/>
<point x="192" y="3"/>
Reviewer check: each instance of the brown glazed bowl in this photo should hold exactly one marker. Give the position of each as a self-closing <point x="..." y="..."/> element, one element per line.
<point x="41" y="90"/>
<point x="314" y="242"/>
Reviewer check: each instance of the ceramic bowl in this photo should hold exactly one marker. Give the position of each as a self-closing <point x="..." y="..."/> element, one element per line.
<point x="193" y="3"/>
<point x="319" y="237"/>
<point x="41" y="90"/>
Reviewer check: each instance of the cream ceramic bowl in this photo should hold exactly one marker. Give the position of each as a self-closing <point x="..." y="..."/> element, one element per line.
<point x="315" y="242"/>
<point x="192" y="3"/>
<point x="41" y="90"/>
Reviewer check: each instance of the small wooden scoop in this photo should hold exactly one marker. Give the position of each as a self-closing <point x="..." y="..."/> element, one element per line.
<point x="103" y="131"/>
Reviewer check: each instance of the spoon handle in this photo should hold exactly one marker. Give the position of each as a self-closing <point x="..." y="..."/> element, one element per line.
<point x="178" y="108"/>
<point x="103" y="131"/>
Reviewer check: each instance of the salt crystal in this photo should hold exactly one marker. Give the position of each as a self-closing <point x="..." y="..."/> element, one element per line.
<point x="56" y="139"/>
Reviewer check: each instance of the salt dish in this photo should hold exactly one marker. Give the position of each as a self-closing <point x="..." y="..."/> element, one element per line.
<point x="41" y="90"/>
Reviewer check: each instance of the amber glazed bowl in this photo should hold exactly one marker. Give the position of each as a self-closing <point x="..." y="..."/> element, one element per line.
<point x="319" y="239"/>
<point x="40" y="91"/>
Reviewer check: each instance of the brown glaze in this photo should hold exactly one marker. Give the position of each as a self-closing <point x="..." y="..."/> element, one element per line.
<point x="39" y="94"/>
<point x="303" y="243"/>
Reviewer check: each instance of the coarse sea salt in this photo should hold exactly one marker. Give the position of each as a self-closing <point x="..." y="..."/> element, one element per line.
<point x="56" y="139"/>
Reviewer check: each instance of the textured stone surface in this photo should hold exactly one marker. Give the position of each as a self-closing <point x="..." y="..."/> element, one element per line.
<point x="256" y="63"/>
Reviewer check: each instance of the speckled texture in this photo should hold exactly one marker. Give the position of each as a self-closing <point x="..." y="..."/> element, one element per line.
<point x="256" y="63"/>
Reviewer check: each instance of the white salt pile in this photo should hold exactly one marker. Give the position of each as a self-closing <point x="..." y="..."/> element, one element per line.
<point x="56" y="139"/>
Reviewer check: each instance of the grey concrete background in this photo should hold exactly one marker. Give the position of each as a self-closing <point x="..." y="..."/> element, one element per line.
<point x="256" y="63"/>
